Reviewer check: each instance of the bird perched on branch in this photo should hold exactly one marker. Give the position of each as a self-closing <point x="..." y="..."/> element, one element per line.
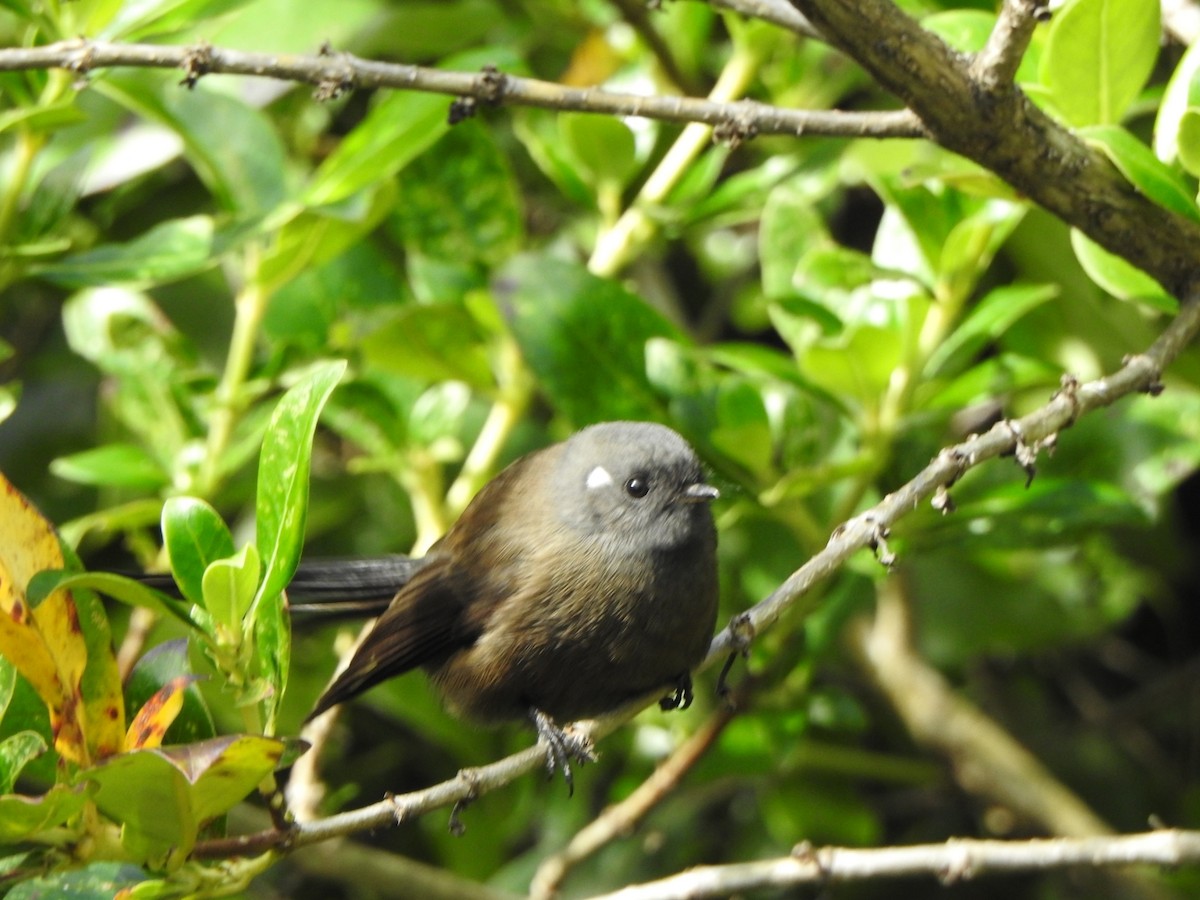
<point x="580" y="578"/>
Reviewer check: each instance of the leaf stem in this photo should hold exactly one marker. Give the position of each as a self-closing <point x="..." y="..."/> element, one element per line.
<point x="617" y="245"/>
<point x="250" y="304"/>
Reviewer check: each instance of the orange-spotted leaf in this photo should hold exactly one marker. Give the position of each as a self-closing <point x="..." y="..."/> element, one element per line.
<point x="21" y="645"/>
<point x="156" y="715"/>
<point x="45" y="644"/>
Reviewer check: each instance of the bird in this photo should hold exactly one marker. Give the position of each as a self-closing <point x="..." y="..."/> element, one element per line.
<point x="581" y="577"/>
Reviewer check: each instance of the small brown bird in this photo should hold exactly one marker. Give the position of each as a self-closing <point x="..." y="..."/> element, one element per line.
<point x="581" y="577"/>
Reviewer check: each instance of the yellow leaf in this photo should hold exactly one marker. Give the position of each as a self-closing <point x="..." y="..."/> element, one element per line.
<point x="156" y="715"/>
<point x="46" y="644"/>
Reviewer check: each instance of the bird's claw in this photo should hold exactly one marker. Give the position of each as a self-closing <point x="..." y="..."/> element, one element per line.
<point x="562" y="746"/>
<point x="681" y="697"/>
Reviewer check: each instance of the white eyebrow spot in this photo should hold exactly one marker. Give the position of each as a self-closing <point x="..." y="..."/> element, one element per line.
<point x="599" y="477"/>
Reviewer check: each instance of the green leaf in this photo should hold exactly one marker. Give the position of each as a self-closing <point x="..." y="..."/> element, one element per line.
<point x="23" y="817"/>
<point x="233" y="147"/>
<point x="460" y="205"/>
<point x="100" y="687"/>
<point x="315" y="237"/>
<point x="432" y="342"/>
<point x="538" y="132"/>
<point x="1120" y="278"/>
<point x="1143" y="169"/>
<point x="990" y="318"/>
<point x="195" y="536"/>
<point x="159" y="666"/>
<point x="584" y="337"/>
<point x="971" y="246"/>
<point x="272" y="636"/>
<point x="311" y="309"/>
<point x="1176" y="131"/>
<point x="1098" y="56"/>
<point x="161" y="797"/>
<point x="153" y="797"/>
<point x="436" y="419"/>
<point x="858" y="365"/>
<point x="123" y="333"/>
<point x="397" y="130"/>
<point x="1037" y="598"/>
<point x="603" y="147"/>
<point x="167" y="252"/>
<point x="420" y="30"/>
<point x="790" y="228"/>
<point x="743" y="430"/>
<point x="282" y="498"/>
<point x="8" y="681"/>
<point x="1189" y="140"/>
<point x="229" y="587"/>
<point x="95" y="881"/>
<point x="113" y="465"/>
<point x="364" y="414"/>
<point x="997" y="376"/>
<point x="138" y="20"/>
<point x="119" y="587"/>
<point x="15" y="751"/>
<point x="42" y="118"/>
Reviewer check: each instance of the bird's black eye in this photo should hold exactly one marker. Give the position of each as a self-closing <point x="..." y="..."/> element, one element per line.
<point x="638" y="486"/>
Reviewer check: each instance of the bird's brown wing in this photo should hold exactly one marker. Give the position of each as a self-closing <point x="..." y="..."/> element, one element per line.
<point x="424" y="624"/>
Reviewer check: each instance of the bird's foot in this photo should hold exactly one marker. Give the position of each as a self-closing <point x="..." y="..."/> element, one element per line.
<point x="681" y="697"/>
<point x="562" y="745"/>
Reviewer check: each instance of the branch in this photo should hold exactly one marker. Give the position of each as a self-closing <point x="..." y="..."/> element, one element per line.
<point x="335" y="73"/>
<point x="621" y="818"/>
<point x="1020" y="436"/>
<point x="996" y="65"/>
<point x="997" y="126"/>
<point x="777" y="12"/>
<point x="952" y="862"/>
<point x="986" y="760"/>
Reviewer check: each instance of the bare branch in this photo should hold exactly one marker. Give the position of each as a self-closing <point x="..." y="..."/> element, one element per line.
<point x="620" y="819"/>
<point x="335" y="73"/>
<point x="951" y="862"/>
<point x="986" y="760"/>
<point x="777" y="12"/>
<point x="996" y="65"/>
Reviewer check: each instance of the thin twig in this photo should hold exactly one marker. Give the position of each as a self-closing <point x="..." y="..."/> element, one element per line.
<point x="777" y="12"/>
<point x="621" y="818"/>
<point x="952" y="862"/>
<point x="986" y="760"/>
<point x="636" y="14"/>
<point x="334" y="73"/>
<point x="1139" y="373"/>
<point x="997" y="63"/>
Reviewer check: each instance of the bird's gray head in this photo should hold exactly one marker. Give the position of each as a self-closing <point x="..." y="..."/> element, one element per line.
<point x="633" y="480"/>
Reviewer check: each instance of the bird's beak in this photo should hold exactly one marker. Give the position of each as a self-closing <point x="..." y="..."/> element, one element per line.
<point x="700" y="493"/>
